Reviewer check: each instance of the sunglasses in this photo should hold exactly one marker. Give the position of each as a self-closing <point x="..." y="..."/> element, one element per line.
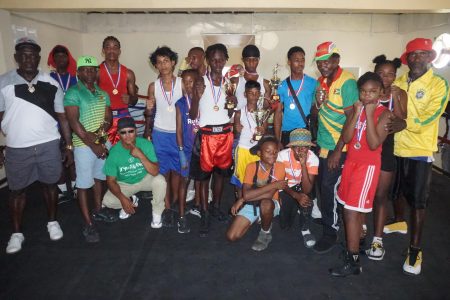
<point x="123" y="132"/>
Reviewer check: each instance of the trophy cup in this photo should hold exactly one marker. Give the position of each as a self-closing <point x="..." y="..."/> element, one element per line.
<point x="101" y="135"/>
<point x="230" y="87"/>
<point x="274" y="84"/>
<point x="260" y="115"/>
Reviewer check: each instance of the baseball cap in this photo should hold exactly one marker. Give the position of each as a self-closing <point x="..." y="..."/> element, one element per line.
<point x="126" y="122"/>
<point x="26" y="41"/>
<point x="300" y="137"/>
<point x="325" y="50"/>
<point x="416" y="44"/>
<point x="87" y="61"/>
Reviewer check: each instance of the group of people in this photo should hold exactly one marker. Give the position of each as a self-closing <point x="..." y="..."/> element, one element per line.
<point x="336" y="139"/>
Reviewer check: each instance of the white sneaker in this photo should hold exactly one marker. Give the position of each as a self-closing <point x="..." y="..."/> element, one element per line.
<point x="190" y="195"/>
<point x="316" y="214"/>
<point x="123" y="214"/>
<point x="54" y="230"/>
<point x="15" y="243"/>
<point x="156" y="221"/>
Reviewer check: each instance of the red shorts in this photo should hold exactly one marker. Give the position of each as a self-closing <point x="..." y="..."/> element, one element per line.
<point x="358" y="186"/>
<point x="216" y="146"/>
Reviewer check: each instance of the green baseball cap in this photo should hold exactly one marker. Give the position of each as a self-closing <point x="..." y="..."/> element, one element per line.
<point x="87" y="61"/>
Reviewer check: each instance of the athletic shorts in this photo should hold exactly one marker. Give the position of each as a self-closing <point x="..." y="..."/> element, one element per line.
<point x="414" y="181"/>
<point x="388" y="160"/>
<point x="40" y="162"/>
<point x="166" y="149"/>
<point x="88" y="167"/>
<point x="216" y="146"/>
<point x="358" y="186"/>
<point x="249" y="213"/>
<point x="242" y="158"/>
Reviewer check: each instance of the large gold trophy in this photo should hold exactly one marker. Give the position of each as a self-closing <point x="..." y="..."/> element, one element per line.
<point x="274" y="84"/>
<point x="101" y="134"/>
<point x="260" y="115"/>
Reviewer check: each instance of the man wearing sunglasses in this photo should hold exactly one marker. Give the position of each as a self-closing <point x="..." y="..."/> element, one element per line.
<point x="132" y="167"/>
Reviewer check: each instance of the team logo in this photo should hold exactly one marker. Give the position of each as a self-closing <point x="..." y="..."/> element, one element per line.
<point x="337" y="91"/>
<point x="131" y="160"/>
<point x="420" y="94"/>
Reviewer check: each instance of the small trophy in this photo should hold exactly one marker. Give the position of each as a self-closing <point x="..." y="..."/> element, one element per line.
<point x="260" y="115"/>
<point x="101" y="135"/>
<point x="274" y="84"/>
<point x="321" y="98"/>
<point x="230" y="89"/>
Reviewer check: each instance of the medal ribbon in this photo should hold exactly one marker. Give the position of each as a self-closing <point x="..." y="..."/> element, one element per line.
<point x="292" y="169"/>
<point x="168" y="100"/>
<point x="360" y="127"/>
<point x="61" y="83"/>
<point x="248" y="120"/>
<point x="265" y="171"/>
<point x="216" y="99"/>
<point x="115" y="85"/>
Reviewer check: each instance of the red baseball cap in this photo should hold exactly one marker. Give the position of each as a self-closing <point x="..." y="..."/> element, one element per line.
<point x="416" y="44"/>
<point x="325" y="50"/>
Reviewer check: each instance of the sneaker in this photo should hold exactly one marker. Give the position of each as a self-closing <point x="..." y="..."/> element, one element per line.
<point x="376" y="251"/>
<point x="54" y="230"/>
<point x="308" y="239"/>
<point x="156" y="221"/>
<point x="263" y="241"/>
<point x="325" y="244"/>
<point x="168" y="218"/>
<point x="105" y="215"/>
<point x="66" y="196"/>
<point x="351" y="266"/>
<point x="190" y="195"/>
<point x="399" y="227"/>
<point x="183" y="225"/>
<point x="90" y="234"/>
<point x="195" y="210"/>
<point x="315" y="213"/>
<point x="413" y="262"/>
<point x="205" y="223"/>
<point x="123" y="214"/>
<point x="15" y="243"/>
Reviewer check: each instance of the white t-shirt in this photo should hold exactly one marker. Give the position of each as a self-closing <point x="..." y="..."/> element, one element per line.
<point x="30" y="109"/>
<point x="240" y="90"/>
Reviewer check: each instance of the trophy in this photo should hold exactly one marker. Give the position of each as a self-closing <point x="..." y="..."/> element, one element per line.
<point x="230" y="87"/>
<point x="274" y="84"/>
<point x="260" y="115"/>
<point x="321" y="97"/>
<point x="101" y="134"/>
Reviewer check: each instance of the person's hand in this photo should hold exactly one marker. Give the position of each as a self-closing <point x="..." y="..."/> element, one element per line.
<point x="91" y="137"/>
<point x="333" y="160"/>
<point x="128" y="205"/>
<point x="237" y="206"/>
<point x="370" y="108"/>
<point x="303" y="156"/>
<point x="125" y="98"/>
<point x="99" y="150"/>
<point x="136" y="152"/>
<point x="183" y="160"/>
<point x="260" y="129"/>
<point x="67" y="157"/>
<point x="358" y="106"/>
<point x="303" y="199"/>
<point x="395" y="124"/>
<point x="231" y="99"/>
<point x="281" y="184"/>
<point x="395" y="91"/>
<point x="321" y="96"/>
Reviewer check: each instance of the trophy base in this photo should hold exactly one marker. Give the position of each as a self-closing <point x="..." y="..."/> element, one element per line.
<point x="230" y="106"/>
<point x="257" y="137"/>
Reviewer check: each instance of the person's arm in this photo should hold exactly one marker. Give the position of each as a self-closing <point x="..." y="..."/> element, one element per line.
<point x="151" y="167"/>
<point x="108" y="118"/>
<point x="197" y="93"/>
<point x="267" y="191"/>
<point x="375" y="133"/>
<point x="114" y="187"/>
<point x="148" y="113"/>
<point x="67" y="136"/>
<point x="179" y="136"/>
<point x="237" y="122"/>
<point x="349" y="126"/>
<point x="131" y="98"/>
<point x="400" y="99"/>
<point x="267" y="94"/>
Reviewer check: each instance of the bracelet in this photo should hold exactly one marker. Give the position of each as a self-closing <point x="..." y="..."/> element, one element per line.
<point x="69" y="147"/>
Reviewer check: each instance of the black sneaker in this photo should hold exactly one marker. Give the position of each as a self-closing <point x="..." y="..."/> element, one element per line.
<point x="205" y="223"/>
<point x="183" y="225"/>
<point x="66" y="196"/>
<point x="90" y="234"/>
<point x="105" y="214"/>
<point x="217" y="214"/>
<point x="168" y="218"/>
<point x="195" y="211"/>
<point x="351" y="266"/>
<point x="325" y="244"/>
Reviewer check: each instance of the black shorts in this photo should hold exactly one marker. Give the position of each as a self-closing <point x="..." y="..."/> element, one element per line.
<point x="414" y="181"/>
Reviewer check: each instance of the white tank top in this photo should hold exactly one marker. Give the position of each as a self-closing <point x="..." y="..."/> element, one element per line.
<point x="240" y="90"/>
<point x="248" y="129"/>
<point x="212" y="96"/>
<point x="165" y="118"/>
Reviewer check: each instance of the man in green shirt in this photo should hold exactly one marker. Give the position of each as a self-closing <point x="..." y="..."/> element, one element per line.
<point x="132" y="167"/>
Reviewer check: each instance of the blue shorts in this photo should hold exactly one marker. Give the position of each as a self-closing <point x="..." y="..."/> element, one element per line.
<point x="87" y="167"/>
<point x="248" y="212"/>
<point x="166" y="149"/>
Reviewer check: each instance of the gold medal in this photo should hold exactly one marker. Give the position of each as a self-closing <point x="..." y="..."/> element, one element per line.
<point x="357" y="146"/>
<point x="216" y="108"/>
<point x="170" y="108"/>
<point x="115" y="91"/>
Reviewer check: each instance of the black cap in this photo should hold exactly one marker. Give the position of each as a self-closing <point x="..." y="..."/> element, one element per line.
<point x="126" y="122"/>
<point x="267" y="138"/>
<point x="26" y="41"/>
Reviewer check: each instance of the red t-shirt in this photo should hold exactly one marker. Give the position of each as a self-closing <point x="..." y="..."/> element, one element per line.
<point x="106" y="84"/>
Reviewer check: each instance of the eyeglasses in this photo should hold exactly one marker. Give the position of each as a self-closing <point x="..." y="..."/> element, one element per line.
<point x="123" y="132"/>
